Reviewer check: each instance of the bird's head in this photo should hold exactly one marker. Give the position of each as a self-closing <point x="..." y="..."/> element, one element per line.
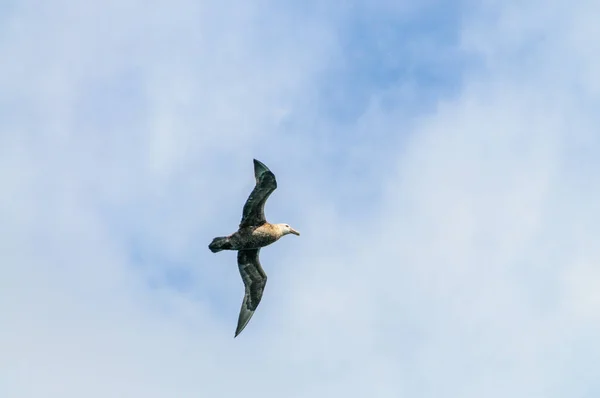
<point x="286" y="229"/>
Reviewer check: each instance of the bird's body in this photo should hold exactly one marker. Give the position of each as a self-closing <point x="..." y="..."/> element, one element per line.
<point x="250" y="238"/>
<point x="254" y="232"/>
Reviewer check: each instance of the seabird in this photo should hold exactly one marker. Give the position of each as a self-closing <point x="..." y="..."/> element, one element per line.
<point x="254" y="232"/>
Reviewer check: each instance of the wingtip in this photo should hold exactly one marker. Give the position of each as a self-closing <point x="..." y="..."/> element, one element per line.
<point x="243" y="319"/>
<point x="258" y="163"/>
<point x="238" y="331"/>
<point x="259" y="168"/>
<point x="241" y="326"/>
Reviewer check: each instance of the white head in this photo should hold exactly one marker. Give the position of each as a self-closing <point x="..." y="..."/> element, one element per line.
<point x="286" y="229"/>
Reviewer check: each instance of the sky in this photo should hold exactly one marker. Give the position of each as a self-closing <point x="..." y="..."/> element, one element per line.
<point x="441" y="160"/>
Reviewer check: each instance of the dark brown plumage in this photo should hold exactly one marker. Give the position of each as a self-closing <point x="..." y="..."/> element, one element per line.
<point x="254" y="232"/>
<point x="254" y="279"/>
<point x="253" y="214"/>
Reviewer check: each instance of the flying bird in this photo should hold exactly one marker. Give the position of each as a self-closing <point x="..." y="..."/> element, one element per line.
<point x="254" y="232"/>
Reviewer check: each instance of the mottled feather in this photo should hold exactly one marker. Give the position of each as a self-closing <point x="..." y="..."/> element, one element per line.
<point x="254" y="232"/>
<point x="255" y="279"/>
<point x="253" y="214"/>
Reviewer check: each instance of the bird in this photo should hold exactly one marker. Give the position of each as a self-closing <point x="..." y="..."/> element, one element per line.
<point x="254" y="233"/>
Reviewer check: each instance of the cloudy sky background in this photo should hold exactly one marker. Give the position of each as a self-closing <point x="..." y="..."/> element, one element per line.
<point x="441" y="160"/>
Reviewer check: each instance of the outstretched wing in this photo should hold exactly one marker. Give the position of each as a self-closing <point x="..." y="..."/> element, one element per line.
<point x="255" y="280"/>
<point x="254" y="208"/>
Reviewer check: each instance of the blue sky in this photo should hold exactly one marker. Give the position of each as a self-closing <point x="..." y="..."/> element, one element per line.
<point x="440" y="160"/>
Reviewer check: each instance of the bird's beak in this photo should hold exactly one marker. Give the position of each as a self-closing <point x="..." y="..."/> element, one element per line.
<point x="293" y="231"/>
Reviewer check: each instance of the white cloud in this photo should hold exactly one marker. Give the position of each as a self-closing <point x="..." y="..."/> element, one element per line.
<point x="473" y="276"/>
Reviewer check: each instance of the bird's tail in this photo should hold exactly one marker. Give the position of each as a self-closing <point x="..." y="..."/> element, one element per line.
<point x="220" y="243"/>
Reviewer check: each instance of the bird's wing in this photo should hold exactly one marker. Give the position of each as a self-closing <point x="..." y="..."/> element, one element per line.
<point x="254" y="208"/>
<point x="255" y="280"/>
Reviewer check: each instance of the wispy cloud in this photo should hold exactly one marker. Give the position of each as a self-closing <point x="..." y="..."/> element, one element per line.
<point x="441" y="166"/>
